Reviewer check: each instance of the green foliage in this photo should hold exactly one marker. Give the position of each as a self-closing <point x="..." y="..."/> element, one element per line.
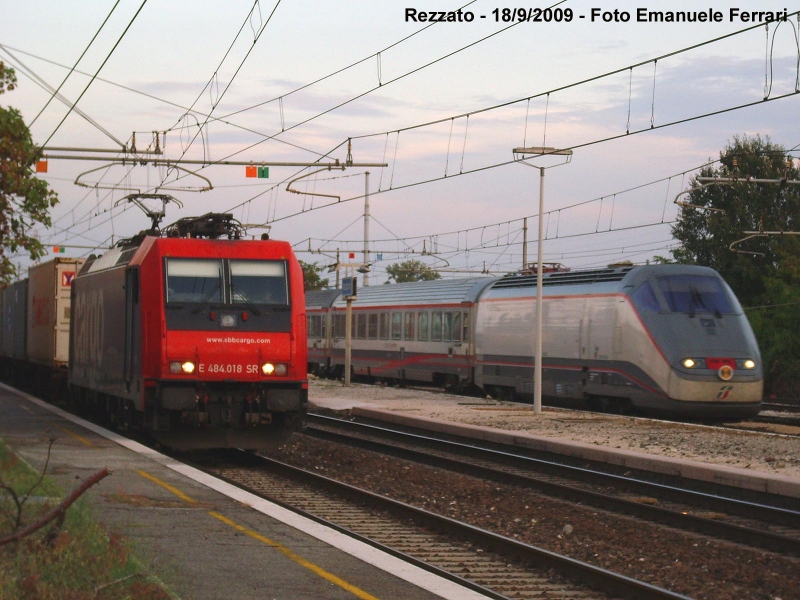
<point x="411" y="270"/>
<point x="706" y="237"/>
<point x="311" y="277"/>
<point x="765" y="274"/>
<point x="79" y="560"/>
<point x="24" y="199"/>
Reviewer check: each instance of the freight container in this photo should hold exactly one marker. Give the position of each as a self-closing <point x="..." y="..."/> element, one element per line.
<point x="14" y="301"/>
<point x="49" y="287"/>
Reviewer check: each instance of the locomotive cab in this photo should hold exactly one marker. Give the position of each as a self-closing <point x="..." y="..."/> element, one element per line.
<point x="711" y="363"/>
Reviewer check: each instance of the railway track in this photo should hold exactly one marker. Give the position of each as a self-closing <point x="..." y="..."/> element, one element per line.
<point x="761" y="521"/>
<point x="782" y="404"/>
<point x="497" y="566"/>
<point x="685" y="561"/>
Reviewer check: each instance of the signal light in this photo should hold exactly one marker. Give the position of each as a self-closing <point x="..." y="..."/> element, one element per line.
<point x="254" y="171"/>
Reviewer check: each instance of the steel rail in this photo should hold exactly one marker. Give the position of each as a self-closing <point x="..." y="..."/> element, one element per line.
<point x="539" y="558"/>
<point x="729" y="531"/>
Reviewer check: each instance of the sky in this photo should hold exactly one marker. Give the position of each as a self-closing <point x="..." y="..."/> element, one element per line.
<point x="441" y="104"/>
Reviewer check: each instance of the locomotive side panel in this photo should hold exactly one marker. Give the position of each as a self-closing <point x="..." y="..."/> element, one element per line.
<point x="594" y="348"/>
<point x="98" y="332"/>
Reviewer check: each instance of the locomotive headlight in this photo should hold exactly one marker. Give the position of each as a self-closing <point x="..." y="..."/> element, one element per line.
<point x="177" y="367"/>
<point x="689" y="363"/>
<point x="749" y="364"/>
<point x="274" y="369"/>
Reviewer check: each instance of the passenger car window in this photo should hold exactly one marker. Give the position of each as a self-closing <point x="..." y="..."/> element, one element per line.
<point x="422" y="327"/>
<point x="436" y="327"/>
<point x="447" y="326"/>
<point x="372" y="329"/>
<point x="397" y="325"/>
<point x="384" y="329"/>
<point x="408" y="332"/>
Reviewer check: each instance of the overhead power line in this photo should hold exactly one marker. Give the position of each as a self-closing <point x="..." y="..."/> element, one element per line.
<point x="95" y="75"/>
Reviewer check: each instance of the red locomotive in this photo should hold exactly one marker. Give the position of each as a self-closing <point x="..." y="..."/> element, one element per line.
<point x="200" y="340"/>
<point x="194" y="335"/>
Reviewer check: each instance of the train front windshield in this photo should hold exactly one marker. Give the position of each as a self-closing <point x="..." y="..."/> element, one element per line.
<point x="696" y="294"/>
<point x="226" y="281"/>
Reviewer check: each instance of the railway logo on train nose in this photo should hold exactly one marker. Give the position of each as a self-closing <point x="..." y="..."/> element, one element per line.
<point x="724" y="392"/>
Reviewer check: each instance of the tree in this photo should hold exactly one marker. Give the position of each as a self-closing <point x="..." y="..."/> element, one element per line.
<point x="765" y="272"/>
<point x="411" y="270"/>
<point x="706" y="236"/>
<point x="24" y="199"/>
<point x="311" y="277"/>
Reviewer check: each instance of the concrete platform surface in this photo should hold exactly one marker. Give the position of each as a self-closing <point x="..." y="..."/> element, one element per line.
<point x="210" y="540"/>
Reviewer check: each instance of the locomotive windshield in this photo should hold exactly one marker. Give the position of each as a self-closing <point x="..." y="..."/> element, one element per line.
<point x="226" y="281"/>
<point x="695" y="294"/>
<point x="258" y="282"/>
<point x="194" y="280"/>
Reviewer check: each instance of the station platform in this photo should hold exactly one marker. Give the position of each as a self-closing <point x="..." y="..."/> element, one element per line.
<point x="211" y="541"/>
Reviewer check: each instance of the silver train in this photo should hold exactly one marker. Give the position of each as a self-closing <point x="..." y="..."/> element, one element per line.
<point x="656" y="339"/>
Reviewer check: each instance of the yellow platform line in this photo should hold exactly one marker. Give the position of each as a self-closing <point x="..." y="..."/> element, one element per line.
<point x="288" y="553"/>
<point x="80" y="438"/>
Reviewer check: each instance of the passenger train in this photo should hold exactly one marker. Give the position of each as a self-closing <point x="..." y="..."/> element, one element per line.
<point x="655" y="339"/>
<point x="198" y="340"/>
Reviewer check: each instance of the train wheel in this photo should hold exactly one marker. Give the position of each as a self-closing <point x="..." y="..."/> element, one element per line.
<point x="453" y="384"/>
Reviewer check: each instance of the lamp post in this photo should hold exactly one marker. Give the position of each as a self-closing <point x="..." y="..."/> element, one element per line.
<point x="540" y="151"/>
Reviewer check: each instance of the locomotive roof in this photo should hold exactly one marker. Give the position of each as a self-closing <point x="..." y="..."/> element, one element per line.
<point x="183" y="247"/>
<point x="609" y="279"/>
<point x="439" y="291"/>
<point x="591" y="276"/>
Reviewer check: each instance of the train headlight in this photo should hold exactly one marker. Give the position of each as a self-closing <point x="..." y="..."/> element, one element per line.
<point x="689" y="363"/>
<point x="274" y="369"/>
<point x="176" y="367"/>
<point x="749" y="364"/>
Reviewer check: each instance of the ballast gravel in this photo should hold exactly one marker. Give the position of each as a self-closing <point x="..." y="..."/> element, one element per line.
<point x="692" y="565"/>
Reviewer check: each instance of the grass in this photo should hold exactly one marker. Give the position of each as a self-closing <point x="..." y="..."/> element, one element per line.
<point x="79" y="560"/>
